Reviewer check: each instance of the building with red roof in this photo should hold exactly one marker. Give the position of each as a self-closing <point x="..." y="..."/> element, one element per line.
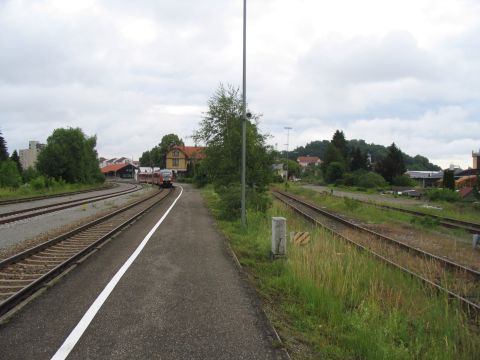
<point x="178" y="157"/>
<point x="123" y="171"/>
<point x="305" y="161"/>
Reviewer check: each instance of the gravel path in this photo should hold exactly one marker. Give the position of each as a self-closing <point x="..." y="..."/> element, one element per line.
<point x="35" y="229"/>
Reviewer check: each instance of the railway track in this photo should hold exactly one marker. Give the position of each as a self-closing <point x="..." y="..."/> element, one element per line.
<point x="471" y="227"/>
<point x="458" y="281"/>
<point x="12" y="216"/>
<point x="35" y="198"/>
<point x="25" y="273"/>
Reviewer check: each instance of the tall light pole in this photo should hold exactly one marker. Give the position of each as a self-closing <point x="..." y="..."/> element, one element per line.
<point x="288" y="128"/>
<point x="244" y="111"/>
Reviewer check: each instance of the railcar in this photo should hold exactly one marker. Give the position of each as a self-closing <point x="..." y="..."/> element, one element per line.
<point x="164" y="178"/>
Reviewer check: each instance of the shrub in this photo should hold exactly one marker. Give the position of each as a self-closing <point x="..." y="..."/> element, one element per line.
<point x="9" y="175"/>
<point x="38" y="183"/>
<point x="403" y="180"/>
<point x="371" y="180"/>
<point x="442" y="195"/>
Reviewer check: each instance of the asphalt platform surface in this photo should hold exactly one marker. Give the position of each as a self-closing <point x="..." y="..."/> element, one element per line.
<point x="182" y="298"/>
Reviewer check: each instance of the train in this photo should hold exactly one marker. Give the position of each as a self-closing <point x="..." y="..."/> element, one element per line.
<point x="164" y="178"/>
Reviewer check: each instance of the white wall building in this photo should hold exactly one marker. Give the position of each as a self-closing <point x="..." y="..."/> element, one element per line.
<point x="28" y="157"/>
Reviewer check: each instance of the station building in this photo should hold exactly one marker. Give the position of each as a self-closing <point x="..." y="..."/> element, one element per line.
<point x="119" y="171"/>
<point x="179" y="157"/>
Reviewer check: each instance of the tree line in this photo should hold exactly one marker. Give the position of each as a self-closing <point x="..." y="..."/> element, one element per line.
<point x="69" y="156"/>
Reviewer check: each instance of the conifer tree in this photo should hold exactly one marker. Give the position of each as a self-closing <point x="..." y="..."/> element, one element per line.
<point x="3" y="148"/>
<point x="392" y="165"/>
<point x="16" y="159"/>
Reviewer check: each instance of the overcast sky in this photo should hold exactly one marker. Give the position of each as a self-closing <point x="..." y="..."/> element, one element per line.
<point x="132" y="71"/>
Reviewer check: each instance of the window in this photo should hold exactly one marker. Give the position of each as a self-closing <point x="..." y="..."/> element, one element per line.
<point x="176" y="153"/>
<point x="175" y="162"/>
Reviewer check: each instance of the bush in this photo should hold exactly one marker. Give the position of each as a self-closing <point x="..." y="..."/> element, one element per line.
<point x="442" y="195"/>
<point x="38" y="183"/>
<point x="403" y="180"/>
<point x="9" y="175"/>
<point x="371" y="180"/>
<point x="230" y="203"/>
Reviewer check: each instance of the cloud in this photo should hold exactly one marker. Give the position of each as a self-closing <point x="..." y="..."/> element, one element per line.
<point x="132" y="72"/>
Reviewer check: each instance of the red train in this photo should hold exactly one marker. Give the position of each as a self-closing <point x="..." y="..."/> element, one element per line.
<point x="164" y="178"/>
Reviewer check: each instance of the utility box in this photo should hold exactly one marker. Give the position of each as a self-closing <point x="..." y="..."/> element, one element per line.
<point x="475" y="240"/>
<point x="279" y="237"/>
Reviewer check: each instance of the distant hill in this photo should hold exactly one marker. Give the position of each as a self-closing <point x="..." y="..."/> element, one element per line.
<point x="318" y="148"/>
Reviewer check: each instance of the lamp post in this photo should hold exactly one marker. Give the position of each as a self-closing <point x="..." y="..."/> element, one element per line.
<point x="288" y="138"/>
<point x="244" y="111"/>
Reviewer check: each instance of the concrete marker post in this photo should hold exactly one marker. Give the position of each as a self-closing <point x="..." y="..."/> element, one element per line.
<point x="279" y="237"/>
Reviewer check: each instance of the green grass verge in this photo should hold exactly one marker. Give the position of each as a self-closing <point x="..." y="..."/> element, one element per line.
<point x="371" y="214"/>
<point x="456" y="210"/>
<point x="327" y="300"/>
<point x="27" y="192"/>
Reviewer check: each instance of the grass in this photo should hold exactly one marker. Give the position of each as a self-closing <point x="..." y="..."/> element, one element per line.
<point x="329" y="301"/>
<point x="27" y="192"/>
<point x="456" y="210"/>
<point x="372" y="214"/>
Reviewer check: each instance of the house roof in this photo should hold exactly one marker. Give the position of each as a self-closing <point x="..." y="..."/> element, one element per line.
<point x="113" y="167"/>
<point x="308" y="159"/>
<point x="192" y="151"/>
<point x="101" y="159"/>
<point x="469" y="172"/>
<point x="415" y="174"/>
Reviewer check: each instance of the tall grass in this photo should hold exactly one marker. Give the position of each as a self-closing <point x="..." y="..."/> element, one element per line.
<point x="330" y="301"/>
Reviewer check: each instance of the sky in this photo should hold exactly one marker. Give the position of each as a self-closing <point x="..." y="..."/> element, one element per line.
<point x="130" y="72"/>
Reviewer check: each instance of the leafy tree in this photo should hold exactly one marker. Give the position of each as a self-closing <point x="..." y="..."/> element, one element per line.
<point x="294" y="168"/>
<point x="449" y="179"/>
<point x="71" y="156"/>
<point x="156" y="156"/>
<point x="9" y="175"/>
<point x="3" y="148"/>
<point x="221" y="132"/>
<point x="16" y="159"/>
<point x="392" y="165"/>
<point x="335" y="171"/>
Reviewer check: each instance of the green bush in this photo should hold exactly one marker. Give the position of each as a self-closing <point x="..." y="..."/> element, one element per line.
<point x="442" y="195"/>
<point x="38" y="183"/>
<point x="230" y="203"/>
<point x="403" y="180"/>
<point x="371" y="180"/>
<point x="9" y="175"/>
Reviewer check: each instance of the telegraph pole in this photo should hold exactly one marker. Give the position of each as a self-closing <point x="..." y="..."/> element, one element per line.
<point x="244" y="111"/>
<point x="288" y="139"/>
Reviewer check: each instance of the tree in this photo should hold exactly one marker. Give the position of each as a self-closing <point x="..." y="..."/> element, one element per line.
<point x="334" y="172"/>
<point x="71" y="156"/>
<point x="9" y="175"/>
<point x="221" y="132"/>
<point x="332" y="154"/>
<point x="3" y="148"/>
<point x="339" y="141"/>
<point x="16" y="159"/>
<point x="392" y="165"/>
<point x="156" y="156"/>
<point x="449" y="180"/>
<point x="359" y="160"/>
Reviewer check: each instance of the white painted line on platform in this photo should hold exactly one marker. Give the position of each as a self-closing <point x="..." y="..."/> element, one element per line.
<point x="77" y="333"/>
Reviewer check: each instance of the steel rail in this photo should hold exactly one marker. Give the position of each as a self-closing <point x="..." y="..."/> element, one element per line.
<point x="40" y="280"/>
<point x="9" y="217"/>
<point x="471" y="227"/>
<point x="442" y="261"/>
<point x="43" y="197"/>
<point x="468" y="303"/>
